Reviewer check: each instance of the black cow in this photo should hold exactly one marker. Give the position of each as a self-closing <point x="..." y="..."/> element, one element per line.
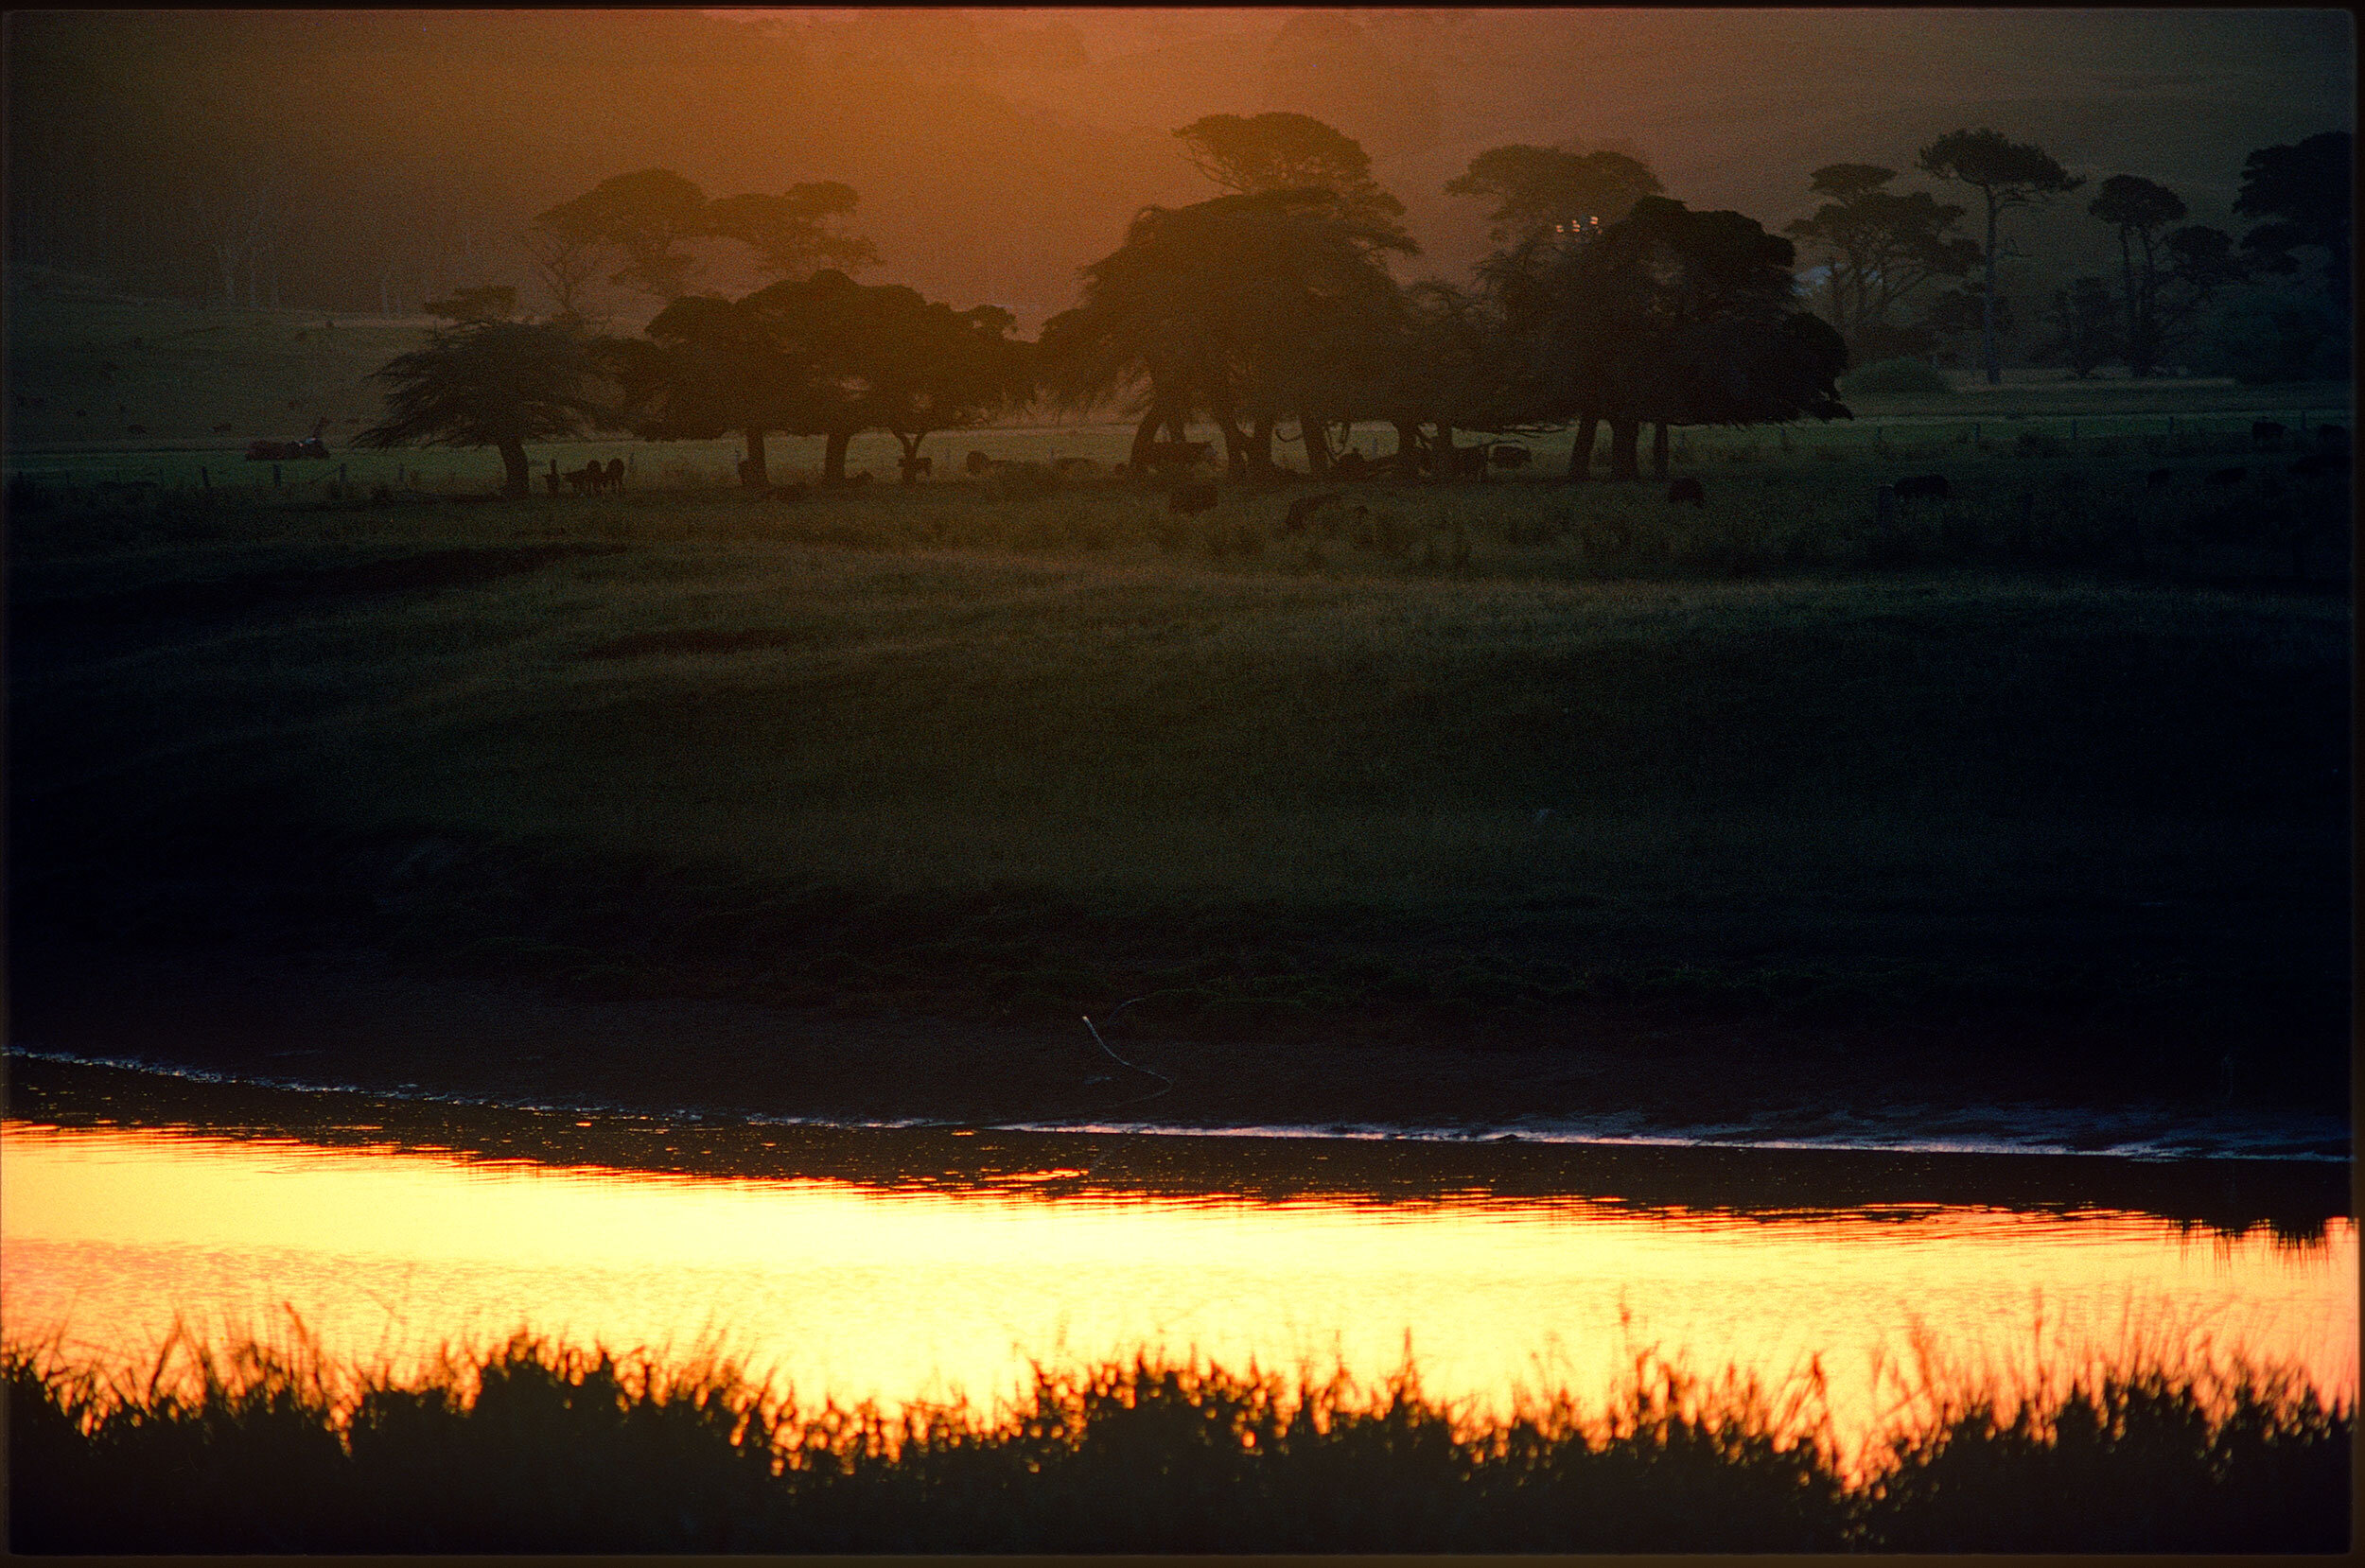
<point x="2227" y="476"/>
<point x="1303" y="508"/>
<point x="1924" y="486"/>
<point x="917" y="466"/>
<point x="616" y="475"/>
<point x="2319" y="462"/>
<point x="2160" y="479"/>
<point x="1679" y="491"/>
<point x="978" y="464"/>
<point x="1192" y="499"/>
<point x="2266" y="433"/>
<point x="2333" y="435"/>
<point x="1468" y="462"/>
<point x="1506" y="455"/>
<point x="1350" y="464"/>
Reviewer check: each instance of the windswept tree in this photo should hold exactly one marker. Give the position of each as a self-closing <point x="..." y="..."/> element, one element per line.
<point x="1541" y="190"/>
<point x="497" y="384"/>
<point x="2006" y="174"/>
<point x="1881" y="247"/>
<point x="2307" y="196"/>
<point x="1262" y="153"/>
<point x="564" y="266"/>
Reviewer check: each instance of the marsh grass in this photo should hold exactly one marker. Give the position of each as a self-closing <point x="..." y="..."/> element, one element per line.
<point x="534" y="1446"/>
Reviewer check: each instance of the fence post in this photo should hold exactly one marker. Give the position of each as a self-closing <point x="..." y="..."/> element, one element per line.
<point x="1884" y="508"/>
<point x="274" y="476"/>
<point x="341" y="473"/>
<point x="204" y="481"/>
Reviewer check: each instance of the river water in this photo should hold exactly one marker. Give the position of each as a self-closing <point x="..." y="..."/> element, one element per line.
<point x="899" y="1265"/>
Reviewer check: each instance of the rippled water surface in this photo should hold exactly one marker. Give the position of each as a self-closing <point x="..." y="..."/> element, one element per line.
<point x="940" y="1264"/>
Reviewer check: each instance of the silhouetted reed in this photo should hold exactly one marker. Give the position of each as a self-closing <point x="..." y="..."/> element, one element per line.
<point x="537" y="1447"/>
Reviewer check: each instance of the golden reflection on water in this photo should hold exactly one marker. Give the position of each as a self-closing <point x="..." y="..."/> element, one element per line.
<point x="852" y="1292"/>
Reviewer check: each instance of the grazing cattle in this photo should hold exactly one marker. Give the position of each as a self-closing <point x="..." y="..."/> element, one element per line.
<point x="1178" y="454"/>
<point x="2227" y="476"/>
<point x="917" y="466"/>
<point x="581" y="479"/>
<point x="616" y="475"/>
<point x="221" y="429"/>
<point x="1350" y="464"/>
<point x="1465" y="463"/>
<point x="1687" y="490"/>
<point x="1930" y="486"/>
<point x="2160" y="479"/>
<point x="2319" y="462"/>
<point x="1506" y="455"/>
<point x="1074" y="467"/>
<point x="549" y="480"/>
<point x="1192" y="499"/>
<point x="2266" y="433"/>
<point x="1303" y="508"/>
<point x="978" y="464"/>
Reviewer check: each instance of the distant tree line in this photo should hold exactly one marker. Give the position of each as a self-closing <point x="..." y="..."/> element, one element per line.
<point x="1271" y="311"/>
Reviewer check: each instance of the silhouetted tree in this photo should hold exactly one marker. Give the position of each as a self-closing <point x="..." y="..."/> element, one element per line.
<point x="497" y="384"/>
<point x="931" y="368"/>
<point x="2006" y="174"/>
<point x="2084" y="333"/>
<point x="2306" y="195"/>
<point x="1278" y="151"/>
<point x="1537" y="189"/>
<point x="564" y="266"/>
<point x="1679" y="317"/>
<point x="1245" y="308"/>
<point x="790" y="233"/>
<point x="1883" y="246"/>
<point x="646" y="216"/>
<point x="709" y="365"/>
<point x="2140" y="209"/>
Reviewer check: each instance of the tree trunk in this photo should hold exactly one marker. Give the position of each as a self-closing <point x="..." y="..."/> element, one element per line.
<point x="1987" y="307"/>
<point x="1624" y="434"/>
<point x="833" y="455"/>
<point x="1409" y="449"/>
<point x="1177" y="425"/>
<point x="1317" y="444"/>
<point x="1234" y="442"/>
<point x="1658" y="452"/>
<point x="755" y="473"/>
<point x="518" y="480"/>
<point x="1260" y="445"/>
<point x="1145" y="436"/>
<point x="910" y="466"/>
<point x="1580" y="450"/>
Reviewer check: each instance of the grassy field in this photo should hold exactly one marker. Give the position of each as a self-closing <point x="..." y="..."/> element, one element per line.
<point x="536" y="1448"/>
<point x="1490" y="757"/>
<point x="2052" y="770"/>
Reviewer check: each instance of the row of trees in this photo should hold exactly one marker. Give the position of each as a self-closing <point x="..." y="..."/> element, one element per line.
<point x="1271" y="312"/>
<point x="1882" y="247"/>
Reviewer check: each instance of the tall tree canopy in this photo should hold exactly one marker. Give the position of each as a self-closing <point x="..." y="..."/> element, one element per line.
<point x="647" y="217"/>
<point x="1679" y="317"/>
<point x="1536" y="189"/>
<point x="1882" y="247"/>
<point x="1280" y="151"/>
<point x="2006" y="174"/>
<point x="2306" y="195"/>
<point x="497" y="384"/>
<point x="1246" y="309"/>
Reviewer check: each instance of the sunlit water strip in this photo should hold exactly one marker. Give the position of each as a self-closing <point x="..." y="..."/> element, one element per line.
<point x="852" y="1292"/>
